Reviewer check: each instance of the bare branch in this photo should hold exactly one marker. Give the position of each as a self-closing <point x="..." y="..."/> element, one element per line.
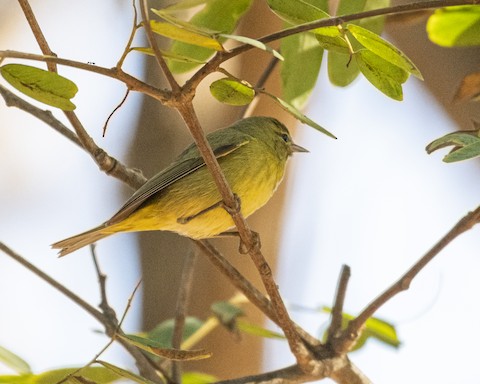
<point x="153" y="43"/>
<point x="337" y="309"/>
<point x="353" y="330"/>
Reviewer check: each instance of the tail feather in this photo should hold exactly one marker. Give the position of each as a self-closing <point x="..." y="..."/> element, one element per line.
<point x="73" y="243"/>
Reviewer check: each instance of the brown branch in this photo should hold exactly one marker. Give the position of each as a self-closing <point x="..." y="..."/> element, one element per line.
<point x="221" y="57"/>
<point x="248" y="238"/>
<point x="352" y="332"/>
<point x="340" y="369"/>
<point x="156" y="51"/>
<point x="130" y="81"/>
<point x="111" y="329"/>
<point x="337" y="309"/>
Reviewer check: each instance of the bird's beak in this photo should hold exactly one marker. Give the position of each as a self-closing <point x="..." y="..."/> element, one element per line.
<point x="298" y="148"/>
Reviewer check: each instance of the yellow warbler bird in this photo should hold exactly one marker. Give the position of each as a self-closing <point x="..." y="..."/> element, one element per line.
<point x="183" y="198"/>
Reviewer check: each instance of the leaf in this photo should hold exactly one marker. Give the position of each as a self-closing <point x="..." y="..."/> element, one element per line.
<point x="253" y="43"/>
<point x="13" y="361"/>
<point x="374" y="24"/>
<point x="47" y="87"/>
<point x="455" y="26"/>
<point x="332" y="39"/>
<point x="342" y="70"/>
<point x="298" y="115"/>
<point x="255" y="330"/>
<point x="184" y="24"/>
<point x="299" y="71"/>
<point x="232" y="92"/>
<point x="17" y="379"/>
<point x="383" y="75"/>
<point x="163" y="332"/>
<point x="349" y="7"/>
<point x="469" y="89"/>
<point x="298" y="11"/>
<point x="197" y="378"/>
<point x="168" y="55"/>
<point x="169" y="353"/>
<point x="218" y="15"/>
<point x="98" y="375"/>
<point x="124" y="373"/>
<point x="383" y="49"/>
<point x="374" y="328"/>
<point x="181" y="34"/>
<point x="184" y="4"/>
<point x="466" y="145"/>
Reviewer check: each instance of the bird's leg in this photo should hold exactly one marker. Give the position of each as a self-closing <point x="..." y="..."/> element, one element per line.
<point x="242" y="248"/>
<point x="186" y="220"/>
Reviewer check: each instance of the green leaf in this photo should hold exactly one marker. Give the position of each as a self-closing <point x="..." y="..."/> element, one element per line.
<point x="157" y="349"/>
<point x="17" y="379"/>
<point x="374" y="328"/>
<point x="466" y="145"/>
<point x="299" y="71"/>
<point x="168" y="55"/>
<point x="342" y="69"/>
<point x="298" y="115"/>
<point x="98" y="375"/>
<point x="47" y="87"/>
<point x="455" y="26"/>
<point x="218" y="15"/>
<point x="232" y="92"/>
<point x="197" y="378"/>
<point x="163" y="332"/>
<point x="184" y="24"/>
<point x="383" y="49"/>
<point x="255" y="330"/>
<point x="332" y="39"/>
<point x="253" y="43"/>
<point x="124" y="373"/>
<point x="13" y="361"/>
<point x="181" y="34"/>
<point x="383" y="75"/>
<point x="184" y="4"/>
<point x="298" y="11"/>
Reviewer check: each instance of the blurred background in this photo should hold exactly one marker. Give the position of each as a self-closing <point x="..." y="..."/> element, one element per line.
<point x="373" y="199"/>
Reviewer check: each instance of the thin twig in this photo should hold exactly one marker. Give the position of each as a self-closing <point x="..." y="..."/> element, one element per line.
<point x="186" y="282"/>
<point x="221" y="57"/>
<point x="153" y="44"/>
<point x="113" y="112"/>
<point x="130" y="39"/>
<point x="352" y="332"/>
<point x="337" y="309"/>
<point x="130" y="81"/>
<point x="248" y="111"/>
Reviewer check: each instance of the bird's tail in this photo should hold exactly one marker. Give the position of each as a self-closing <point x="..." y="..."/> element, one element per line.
<point x="73" y="243"/>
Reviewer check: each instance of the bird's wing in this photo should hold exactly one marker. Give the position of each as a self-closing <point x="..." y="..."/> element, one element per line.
<point x="167" y="177"/>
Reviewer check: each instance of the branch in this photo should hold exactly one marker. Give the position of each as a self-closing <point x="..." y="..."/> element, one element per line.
<point x="337" y="309"/>
<point x="248" y="238"/>
<point x="221" y="57"/>
<point x="130" y="81"/>
<point x="156" y="51"/>
<point x="352" y="332"/>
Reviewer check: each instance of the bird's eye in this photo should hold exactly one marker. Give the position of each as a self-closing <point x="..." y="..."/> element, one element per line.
<point x="285" y="137"/>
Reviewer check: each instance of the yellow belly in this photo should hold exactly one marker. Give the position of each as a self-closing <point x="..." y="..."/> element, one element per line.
<point x="191" y="197"/>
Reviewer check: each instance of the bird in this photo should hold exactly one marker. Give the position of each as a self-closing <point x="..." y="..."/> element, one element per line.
<point x="184" y="198"/>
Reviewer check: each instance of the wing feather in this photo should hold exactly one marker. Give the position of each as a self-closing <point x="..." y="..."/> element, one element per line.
<point x="167" y="177"/>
